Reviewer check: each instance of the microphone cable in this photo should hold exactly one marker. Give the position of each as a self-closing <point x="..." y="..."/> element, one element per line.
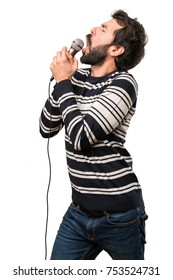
<point x="50" y="174"/>
<point x="76" y="46"/>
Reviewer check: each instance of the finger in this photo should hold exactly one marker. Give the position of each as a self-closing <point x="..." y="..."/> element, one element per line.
<point x="52" y="66"/>
<point x="58" y="55"/>
<point x="54" y="60"/>
<point x="63" y="53"/>
<point x="53" y="63"/>
<point x="69" y="56"/>
<point x="75" y="61"/>
<point x="64" y="49"/>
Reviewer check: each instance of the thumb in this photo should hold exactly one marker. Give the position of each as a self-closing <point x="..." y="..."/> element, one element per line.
<point x="75" y="62"/>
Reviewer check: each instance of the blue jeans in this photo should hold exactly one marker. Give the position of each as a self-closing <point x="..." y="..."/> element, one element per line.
<point x="82" y="237"/>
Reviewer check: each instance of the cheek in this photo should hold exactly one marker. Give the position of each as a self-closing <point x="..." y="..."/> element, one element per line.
<point x="104" y="40"/>
<point x="94" y="43"/>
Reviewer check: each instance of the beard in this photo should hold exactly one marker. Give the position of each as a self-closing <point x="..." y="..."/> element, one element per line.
<point x="96" y="55"/>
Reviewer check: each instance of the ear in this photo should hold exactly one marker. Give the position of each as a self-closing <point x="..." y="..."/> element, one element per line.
<point x="116" y="50"/>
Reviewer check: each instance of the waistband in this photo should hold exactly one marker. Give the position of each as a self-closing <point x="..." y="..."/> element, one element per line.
<point x="93" y="213"/>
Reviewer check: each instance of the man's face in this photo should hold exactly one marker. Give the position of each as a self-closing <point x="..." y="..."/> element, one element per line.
<point x="98" y="42"/>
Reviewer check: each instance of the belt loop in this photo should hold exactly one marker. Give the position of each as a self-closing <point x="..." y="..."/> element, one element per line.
<point x="138" y="212"/>
<point x="106" y="213"/>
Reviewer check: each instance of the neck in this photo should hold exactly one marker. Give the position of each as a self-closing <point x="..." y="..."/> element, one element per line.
<point x="100" y="70"/>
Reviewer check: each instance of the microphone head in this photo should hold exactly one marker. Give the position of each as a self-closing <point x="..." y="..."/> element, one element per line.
<point x="76" y="46"/>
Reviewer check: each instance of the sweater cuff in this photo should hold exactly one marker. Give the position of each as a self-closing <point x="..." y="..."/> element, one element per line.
<point x="61" y="88"/>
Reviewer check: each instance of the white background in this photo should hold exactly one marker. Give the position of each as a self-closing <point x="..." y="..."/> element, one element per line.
<point x="31" y="33"/>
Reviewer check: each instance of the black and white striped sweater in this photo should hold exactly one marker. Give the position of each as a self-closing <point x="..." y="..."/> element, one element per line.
<point x="96" y="114"/>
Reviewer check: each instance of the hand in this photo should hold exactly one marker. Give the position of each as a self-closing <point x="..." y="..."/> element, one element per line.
<point x="64" y="65"/>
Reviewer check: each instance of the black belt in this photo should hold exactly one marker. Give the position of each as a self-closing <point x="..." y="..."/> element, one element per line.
<point x="93" y="213"/>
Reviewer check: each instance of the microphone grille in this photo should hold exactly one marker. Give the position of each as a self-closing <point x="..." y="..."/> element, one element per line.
<point x="76" y="46"/>
<point x="79" y="43"/>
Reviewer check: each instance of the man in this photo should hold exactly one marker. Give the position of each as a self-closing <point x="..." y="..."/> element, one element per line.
<point x="95" y="106"/>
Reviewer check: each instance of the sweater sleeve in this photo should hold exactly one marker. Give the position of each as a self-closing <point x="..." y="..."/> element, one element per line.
<point x="50" y="122"/>
<point x="106" y="113"/>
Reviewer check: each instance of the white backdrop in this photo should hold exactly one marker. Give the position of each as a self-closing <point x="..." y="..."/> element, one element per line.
<point x="31" y="33"/>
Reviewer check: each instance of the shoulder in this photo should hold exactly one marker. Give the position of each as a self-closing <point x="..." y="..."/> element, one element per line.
<point x="125" y="83"/>
<point x="124" y="78"/>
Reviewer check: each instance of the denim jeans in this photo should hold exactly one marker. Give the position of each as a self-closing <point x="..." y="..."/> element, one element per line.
<point x="82" y="237"/>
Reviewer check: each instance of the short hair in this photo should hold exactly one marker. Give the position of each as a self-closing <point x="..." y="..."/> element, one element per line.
<point x="132" y="37"/>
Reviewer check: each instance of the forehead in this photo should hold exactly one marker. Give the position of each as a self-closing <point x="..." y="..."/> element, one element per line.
<point x="112" y="25"/>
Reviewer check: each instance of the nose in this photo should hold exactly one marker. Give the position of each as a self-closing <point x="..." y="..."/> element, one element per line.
<point x="93" y="31"/>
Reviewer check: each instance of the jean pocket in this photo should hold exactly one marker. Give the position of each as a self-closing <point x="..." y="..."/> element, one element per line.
<point x="77" y="209"/>
<point x="142" y="220"/>
<point x="122" y="220"/>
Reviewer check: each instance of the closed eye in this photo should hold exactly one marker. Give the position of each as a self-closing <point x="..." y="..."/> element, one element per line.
<point x="104" y="27"/>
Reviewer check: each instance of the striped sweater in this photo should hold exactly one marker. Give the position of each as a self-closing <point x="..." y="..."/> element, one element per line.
<point x="96" y="114"/>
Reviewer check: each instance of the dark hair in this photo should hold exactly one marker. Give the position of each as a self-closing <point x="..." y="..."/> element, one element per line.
<point x="133" y="37"/>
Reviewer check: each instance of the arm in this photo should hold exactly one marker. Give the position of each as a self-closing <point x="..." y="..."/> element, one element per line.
<point x="63" y="67"/>
<point x="50" y="120"/>
<point x="103" y="117"/>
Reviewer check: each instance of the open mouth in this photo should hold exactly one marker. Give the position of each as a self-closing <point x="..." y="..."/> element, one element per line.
<point x="88" y="43"/>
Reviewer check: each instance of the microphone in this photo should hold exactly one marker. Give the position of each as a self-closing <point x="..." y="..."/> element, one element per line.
<point x="76" y="46"/>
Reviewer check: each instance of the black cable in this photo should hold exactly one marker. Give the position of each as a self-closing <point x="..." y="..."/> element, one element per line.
<point x="50" y="173"/>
